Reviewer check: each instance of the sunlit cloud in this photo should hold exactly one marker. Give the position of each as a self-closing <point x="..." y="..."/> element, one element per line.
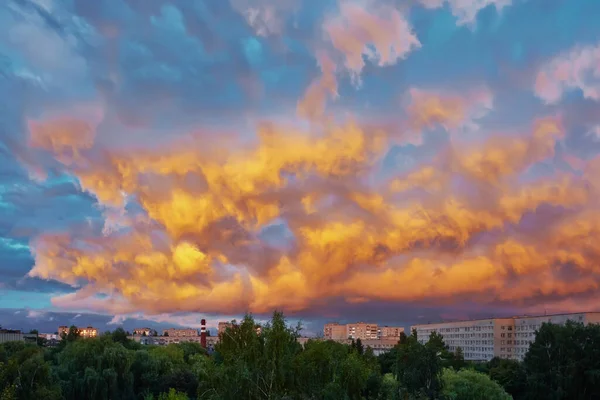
<point x="577" y="69"/>
<point x="178" y="161"/>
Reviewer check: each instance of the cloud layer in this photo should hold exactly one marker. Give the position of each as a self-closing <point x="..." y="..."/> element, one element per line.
<point x="166" y="158"/>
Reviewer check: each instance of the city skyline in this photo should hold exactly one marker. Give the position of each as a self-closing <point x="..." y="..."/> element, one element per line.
<point x="360" y="160"/>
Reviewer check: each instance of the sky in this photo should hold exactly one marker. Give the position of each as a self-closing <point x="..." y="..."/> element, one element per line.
<point x="396" y="161"/>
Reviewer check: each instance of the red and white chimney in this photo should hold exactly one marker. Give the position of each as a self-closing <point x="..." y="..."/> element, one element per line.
<point x="203" y="333"/>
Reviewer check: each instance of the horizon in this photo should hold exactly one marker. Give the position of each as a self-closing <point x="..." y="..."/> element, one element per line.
<point x="395" y="162"/>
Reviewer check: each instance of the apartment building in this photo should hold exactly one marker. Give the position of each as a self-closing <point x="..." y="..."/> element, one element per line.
<point x="143" y="331"/>
<point x="87" y="332"/>
<point x="362" y="331"/>
<point x="222" y="327"/>
<point x="477" y="338"/>
<point x="484" y="339"/>
<point x="335" y="331"/>
<point x="525" y="328"/>
<point x="390" y="332"/>
<point x="186" y="332"/>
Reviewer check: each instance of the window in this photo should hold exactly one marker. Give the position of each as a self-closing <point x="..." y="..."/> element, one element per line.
<point x="502" y="327"/>
<point x="510" y="328"/>
<point x="502" y="335"/>
<point x="510" y="335"/>
<point x="502" y="342"/>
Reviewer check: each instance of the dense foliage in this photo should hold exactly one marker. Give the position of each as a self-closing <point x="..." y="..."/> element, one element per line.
<point x="562" y="363"/>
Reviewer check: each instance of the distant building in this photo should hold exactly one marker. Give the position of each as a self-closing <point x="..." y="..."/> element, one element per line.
<point x="379" y="346"/>
<point x="49" y="336"/>
<point x="484" y="339"/>
<point x="335" y="331"/>
<point x="11" y="335"/>
<point x="186" y="332"/>
<point x="87" y="332"/>
<point x="222" y="327"/>
<point x="391" y="332"/>
<point x="359" y="330"/>
<point x="166" y="340"/>
<point x="143" y="332"/>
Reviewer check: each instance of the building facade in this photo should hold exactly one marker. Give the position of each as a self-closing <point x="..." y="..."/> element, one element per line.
<point x="335" y="331"/>
<point x="186" y="332"/>
<point x="222" y="327"/>
<point x="484" y="339"/>
<point x="391" y="332"/>
<point x="360" y="330"/>
<point x="87" y="332"/>
<point x="143" y="332"/>
<point x="11" y="335"/>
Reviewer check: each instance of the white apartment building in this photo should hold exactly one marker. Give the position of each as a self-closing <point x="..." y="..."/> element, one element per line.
<point x="484" y="339"/>
<point x="478" y="339"/>
<point x="525" y="328"/>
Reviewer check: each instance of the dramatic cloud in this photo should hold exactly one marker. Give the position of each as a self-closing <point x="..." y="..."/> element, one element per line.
<point x="176" y="161"/>
<point x="367" y="29"/>
<point x="466" y="10"/>
<point x="578" y="69"/>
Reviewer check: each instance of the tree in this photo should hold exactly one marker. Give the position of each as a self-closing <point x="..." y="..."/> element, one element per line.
<point x="418" y="368"/>
<point x="563" y="362"/>
<point x="471" y="385"/>
<point x="458" y="359"/>
<point x="359" y="347"/>
<point x="403" y="338"/>
<point x="120" y="336"/>
<point x="510" y="374"/>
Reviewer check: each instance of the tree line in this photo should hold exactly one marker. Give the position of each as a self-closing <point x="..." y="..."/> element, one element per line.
<point x="562" y="363"/>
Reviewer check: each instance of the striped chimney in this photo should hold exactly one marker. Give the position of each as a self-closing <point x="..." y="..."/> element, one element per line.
<point x="203" y="333"/>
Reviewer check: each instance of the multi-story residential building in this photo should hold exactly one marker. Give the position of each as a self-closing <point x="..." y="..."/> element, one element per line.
<point x="143" y="332"/>
<point x="335" y="331"/>
<point x="222" y="327"/>
<point x="481" y="340"/>
<point x="390" y="332"/>
<point x="475" y="338"/>
<point x="525" y="328"/>
<point x="88" y="332"/>
<point x="174" y="332"/>
<point x="362" y="331"/>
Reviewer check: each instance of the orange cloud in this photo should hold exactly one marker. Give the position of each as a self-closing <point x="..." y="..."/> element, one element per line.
<point x="452" y="111"/>
<point x="198" y="245"/>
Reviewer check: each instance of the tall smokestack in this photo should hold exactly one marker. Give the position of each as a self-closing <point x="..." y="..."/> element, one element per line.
<point x="203" y="333"/>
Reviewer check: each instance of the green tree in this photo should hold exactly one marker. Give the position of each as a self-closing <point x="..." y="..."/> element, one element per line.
<point x="471" y="385"/>
<point x="458" y="359"/>
<point x="510" y="374"/>
<point x="563" y="362"/>
<point x="418" y="368"/>
<point x="95" y="369"/>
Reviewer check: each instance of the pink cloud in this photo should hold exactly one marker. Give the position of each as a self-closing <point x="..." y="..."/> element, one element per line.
<point x="466" y="10"/>
<point x="264" y="16"/>
<point x="577" y="69"/>
<point x="379" y="32"/>
<point x="452" y="111"/>
<point x="312" y="105"/>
